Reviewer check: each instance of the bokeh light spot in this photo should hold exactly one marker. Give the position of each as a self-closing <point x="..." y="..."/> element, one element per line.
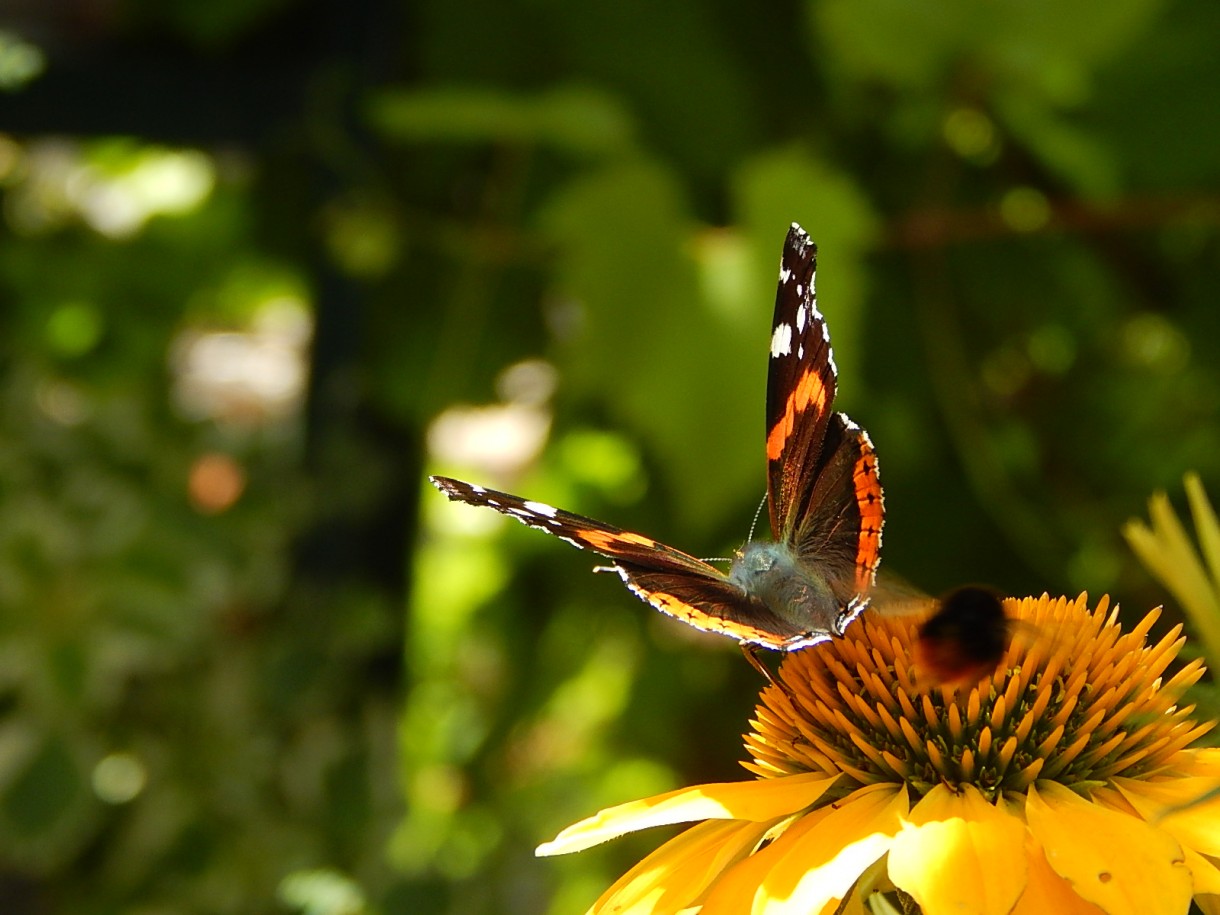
<point x="20" y="61"/>
<point x="971" y="134"/>
<point x="215" y="482"/>
<point x="321" y="892"/>
<point x="1025" y="209"/>
<point x="119" y="778"/>
<point x="1151" y="341"/>
<point x="74" y="328"/>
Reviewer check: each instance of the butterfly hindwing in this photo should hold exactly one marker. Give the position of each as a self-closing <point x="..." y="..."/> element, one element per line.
<point x="839" y="535"/>
<point x="713" y="605"/>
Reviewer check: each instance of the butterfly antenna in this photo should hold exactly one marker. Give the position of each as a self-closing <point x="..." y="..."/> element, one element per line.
<point x="749" y="539"/>
<point x="754" y="523"/>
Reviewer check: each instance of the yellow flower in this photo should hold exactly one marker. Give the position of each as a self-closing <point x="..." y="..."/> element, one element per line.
<point x="1061" y="783"/>
<point x="1166" y="551"/>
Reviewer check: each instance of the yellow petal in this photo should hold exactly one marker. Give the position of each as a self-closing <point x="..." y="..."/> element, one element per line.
<point x="1166" y="551"/>
<point x="1201" y="761"/>
<point x="674" y="876"/>
<point x="1207" y="527"/>
<point x="812" y="867"/>
<point x="873" y="880"/>
<point x="1181" y="807"/>
<point x="1046" y="891"/>
<point x="1117" y="861"/>
<point x="1208" y="905"/>
<point x="740" y="890"/>
<point x="757" y="801"/>
<point x="854" y="905"/>
<point x="1204" y="875"/>
<point x="958" y="853"/>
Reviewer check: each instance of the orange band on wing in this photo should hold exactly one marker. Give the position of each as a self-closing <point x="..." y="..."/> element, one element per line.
<point x="613" y="543"/>
<point x="810" y="390"/>
<point x="680" y="609"/>
<point x="869" y="502"/>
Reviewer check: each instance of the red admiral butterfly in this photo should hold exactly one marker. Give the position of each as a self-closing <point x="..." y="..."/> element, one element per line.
<point x="823" y="494"/>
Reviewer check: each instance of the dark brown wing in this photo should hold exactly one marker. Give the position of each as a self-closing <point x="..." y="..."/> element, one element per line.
<point x="715" y="605"/>
<point x="801" y="378"/>
<point x="579" y="531"/>
<point x="839" y="535"/>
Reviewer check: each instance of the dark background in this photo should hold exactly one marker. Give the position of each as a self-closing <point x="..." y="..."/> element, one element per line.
<point x="259" y="258"/>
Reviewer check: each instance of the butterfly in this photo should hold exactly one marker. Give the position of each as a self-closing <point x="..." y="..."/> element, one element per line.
<point x="823" y="496"/>
<point x="966" y="637"/>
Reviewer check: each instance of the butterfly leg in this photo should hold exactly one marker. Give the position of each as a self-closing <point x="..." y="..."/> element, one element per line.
<point x="753" y="655"/>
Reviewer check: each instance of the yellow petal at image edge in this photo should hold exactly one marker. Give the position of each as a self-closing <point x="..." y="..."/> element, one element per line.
<point x="1201" y="761"/>
<point x="959" y="853"/>
<point x="813" y="865"/>
<point x="1205" y="876"/>
<point x="677" y="874"/>
<point x="1169" y="806"/>
<point x="1167" y="552"/>
<point x="1113" y="859"/>
<point x="1207" y="526"/>
<point x="758" y="801"/>
<point x="1174" y="805"/>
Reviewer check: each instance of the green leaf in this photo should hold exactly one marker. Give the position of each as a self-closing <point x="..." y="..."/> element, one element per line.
<point x="45" y="802"/>
<point x="572" y="118"/>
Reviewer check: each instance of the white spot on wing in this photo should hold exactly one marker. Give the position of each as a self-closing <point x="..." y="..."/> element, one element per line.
<point x="781" y="340"/>
<point x="476" y="488"/>
<point x="784" y="274"/>
<point x="805" y="640"/>
<point x="802" y="315"/>
<point x="541" y="508"/>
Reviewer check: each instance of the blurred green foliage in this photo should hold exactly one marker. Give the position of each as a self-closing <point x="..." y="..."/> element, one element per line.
<point x="250" y="660"/>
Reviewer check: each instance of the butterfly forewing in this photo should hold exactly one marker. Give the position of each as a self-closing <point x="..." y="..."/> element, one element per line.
<point x="579" y="531"/>
<point x="801" y="380"/>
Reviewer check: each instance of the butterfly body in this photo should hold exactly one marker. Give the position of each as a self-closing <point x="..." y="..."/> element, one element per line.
<point x="824" y="498"/>
<point x="791" y="590"/>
